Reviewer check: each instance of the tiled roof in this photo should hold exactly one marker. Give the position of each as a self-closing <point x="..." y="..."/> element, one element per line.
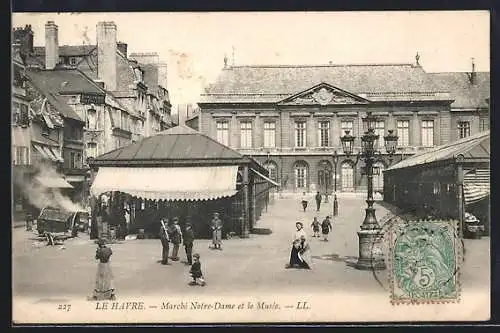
<point x="67" y="50"/>
<point x="474" y="146"/>
<point x="273" y="83"/>
<point x="465" y="94"/>
<point x="179" y="143"/>
<point x="46" y="83"/>
<point x="66" y="81"/>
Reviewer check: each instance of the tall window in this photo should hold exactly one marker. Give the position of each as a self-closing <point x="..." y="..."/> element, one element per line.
<point x="300" y="134"/>
<point x="463" y="129"/>
<point x="269" y="134"/>
<point x="273" y="170"/>
<point x="427" y="133"/>
<point x="378" y="177"/>
<point x="223" y="132"/>
<point x="346" y="125"/>
<point x="300" y="175"/>
<point x="347" y="177"/>
<point x="20" y="155"/>
<point x="403" y="133"/>
<point x="484" y="124"/>
<point x="246" y="134"/>
<point x="324" y="133"/>
<point x="380" y="131"/>
<point x="91" y="119"/>
<point x="92" y="149"/>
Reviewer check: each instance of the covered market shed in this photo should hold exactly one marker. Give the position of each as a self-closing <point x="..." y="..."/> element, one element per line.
<point x="180" y="173"/>
<point x="444" y="182"/>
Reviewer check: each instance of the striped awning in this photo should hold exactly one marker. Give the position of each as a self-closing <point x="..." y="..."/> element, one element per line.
<point x="476" y="185"/>
<point x="49" y="153"/>
<point x="53" y="182"/>
<point x="164" y="183"/>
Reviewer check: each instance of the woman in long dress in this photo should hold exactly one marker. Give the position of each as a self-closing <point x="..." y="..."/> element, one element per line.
<point x="304" y="253"/>
<point x="295" y="260"/>
<point x="104" y="277"/>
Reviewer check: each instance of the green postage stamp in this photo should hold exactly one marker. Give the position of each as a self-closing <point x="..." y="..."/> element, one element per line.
<point x="425" y="257"/>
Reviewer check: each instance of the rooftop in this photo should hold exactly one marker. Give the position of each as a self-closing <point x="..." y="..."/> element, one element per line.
<point x="474" y="146"/>
<point x="465" y="94"/>
<point x="177" y="144"/>
<point x="272" y="83"/>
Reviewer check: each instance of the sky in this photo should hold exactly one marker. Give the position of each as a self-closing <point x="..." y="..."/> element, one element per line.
<point x="194" y="44"/>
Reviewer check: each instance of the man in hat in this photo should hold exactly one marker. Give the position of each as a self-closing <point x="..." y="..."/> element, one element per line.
<point x="188" y="242"/>
<point x="165" y="239"/>
<point x="175" y="238"/>
<point x="216" y="225"/>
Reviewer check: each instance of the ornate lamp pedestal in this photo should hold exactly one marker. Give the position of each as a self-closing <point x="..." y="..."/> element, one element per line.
<point x="370" y="237"/>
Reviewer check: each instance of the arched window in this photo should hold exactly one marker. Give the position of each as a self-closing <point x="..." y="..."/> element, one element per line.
<point x="347" y="177"/>
<point x="378" y="176"/>
<point x="273" y="170"/>
<point x="301" y="169"/>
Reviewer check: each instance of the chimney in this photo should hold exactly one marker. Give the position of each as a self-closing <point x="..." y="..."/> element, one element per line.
<point x="51" y="45"/>
<point x="106" y="54"/>
<point x="472" y="74"/>
<point x="122" y="47"/>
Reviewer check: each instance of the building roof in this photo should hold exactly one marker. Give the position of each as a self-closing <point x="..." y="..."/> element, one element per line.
<point x="66" y="81"/>
<point x="66" y="50"/>
<point x="46" y="82"/>
<point x="465" y="94"/>
<point x="476" y="146"/>
<point x="274" y="83"/>
<point x="178" y="144"/>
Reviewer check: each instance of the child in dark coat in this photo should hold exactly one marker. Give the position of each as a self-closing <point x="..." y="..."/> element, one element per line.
<point x="195" y="272"/>
<point x="188" y="242"/>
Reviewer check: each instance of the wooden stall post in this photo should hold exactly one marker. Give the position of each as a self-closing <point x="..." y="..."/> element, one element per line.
<point x="246" y="205"/>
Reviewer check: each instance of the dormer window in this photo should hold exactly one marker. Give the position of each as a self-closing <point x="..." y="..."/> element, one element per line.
<point x="73" y="61"/>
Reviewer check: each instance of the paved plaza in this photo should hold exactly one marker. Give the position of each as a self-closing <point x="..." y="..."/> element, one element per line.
<point x="244" y="266"/>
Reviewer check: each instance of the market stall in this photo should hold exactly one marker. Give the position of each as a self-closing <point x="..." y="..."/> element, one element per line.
<point x="444" y="182"/>
<point x="182" y="173"/>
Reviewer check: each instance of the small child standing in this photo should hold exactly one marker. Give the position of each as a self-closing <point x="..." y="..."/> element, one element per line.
<point x="195" y="272"/>
<point x="326" y="227"/>
<point x="315" y="227"/>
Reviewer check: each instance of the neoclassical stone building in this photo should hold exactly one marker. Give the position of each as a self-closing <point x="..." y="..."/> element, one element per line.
<point x="290" y="118"/>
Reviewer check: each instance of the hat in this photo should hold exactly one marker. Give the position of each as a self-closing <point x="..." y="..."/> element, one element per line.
<point x="196" y="255"/>
<point x="101" y="242"/>
<point x="302" y="224"/>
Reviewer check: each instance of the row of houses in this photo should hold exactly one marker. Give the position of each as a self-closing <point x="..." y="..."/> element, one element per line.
<point x="291" y="117"/>
<point x="72" y="102"/>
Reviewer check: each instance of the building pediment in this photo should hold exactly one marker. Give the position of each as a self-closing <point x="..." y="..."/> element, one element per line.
<point x="324" y="94"/>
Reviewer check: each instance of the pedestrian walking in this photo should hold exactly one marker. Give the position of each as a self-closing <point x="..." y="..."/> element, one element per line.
<point x="326" y="227"/>
<point x="216" y="225"/>
<point x="188" y="242"/>
<point x="304" y="253"/>
<point x="295" y="261"/>
<point x="29" y="222"/>
<point x="104" y="277"/>
<point x="196" y="273"/>
<point x="304" y="201"/>
<point x="318" y="198"/>
<point x="315" y="225"/>
<point x="175" y="238"/>
<point x="165" y="240"/>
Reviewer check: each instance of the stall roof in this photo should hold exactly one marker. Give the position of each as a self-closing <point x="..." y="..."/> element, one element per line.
<point x="179" y="144"/>
<point x="474" y="146"/>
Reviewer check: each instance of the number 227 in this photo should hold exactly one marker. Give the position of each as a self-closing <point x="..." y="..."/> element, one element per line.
<point x="64" y="307"/>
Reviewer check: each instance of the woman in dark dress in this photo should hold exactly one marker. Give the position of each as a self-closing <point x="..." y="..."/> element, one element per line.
<point x="295" y="260"/>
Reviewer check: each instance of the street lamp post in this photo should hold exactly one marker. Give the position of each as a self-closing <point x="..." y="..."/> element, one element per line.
<point x="335" y="203"/>
<point x="370" y="236"/>
<point x="325" y="180"/>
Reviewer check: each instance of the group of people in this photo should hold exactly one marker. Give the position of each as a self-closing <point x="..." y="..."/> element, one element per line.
<point x="318" y="198"/>
<point x="170" y="232"/>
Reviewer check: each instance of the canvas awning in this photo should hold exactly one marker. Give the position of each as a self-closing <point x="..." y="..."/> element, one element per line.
<point x="265" y="178"/>
<point x="53" y="182"/>
<point x="164" y="183"/>
<point x="475" y="192"/>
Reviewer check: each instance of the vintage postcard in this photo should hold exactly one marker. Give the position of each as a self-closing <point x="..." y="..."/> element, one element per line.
<point x="255" y="167"/>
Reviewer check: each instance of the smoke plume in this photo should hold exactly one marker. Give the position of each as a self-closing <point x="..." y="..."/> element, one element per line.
<point x="41" y="196"/>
